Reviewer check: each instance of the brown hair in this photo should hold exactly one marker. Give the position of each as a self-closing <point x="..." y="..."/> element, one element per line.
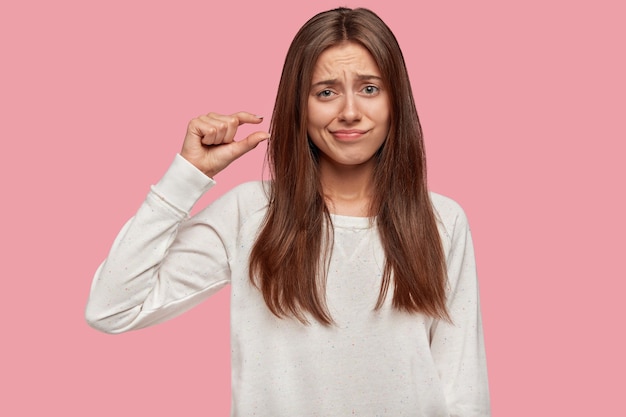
<point x="289" y="259"/>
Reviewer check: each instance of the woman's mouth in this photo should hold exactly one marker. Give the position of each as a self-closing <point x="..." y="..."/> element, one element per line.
<point x="348" y="134"/>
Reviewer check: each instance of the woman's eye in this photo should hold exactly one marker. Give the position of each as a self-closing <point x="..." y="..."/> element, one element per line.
<point x="371" y="89"/>
<point x="325" y="93"/>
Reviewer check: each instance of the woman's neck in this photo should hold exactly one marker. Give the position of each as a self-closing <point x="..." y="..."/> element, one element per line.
<point x="348" y="189"/>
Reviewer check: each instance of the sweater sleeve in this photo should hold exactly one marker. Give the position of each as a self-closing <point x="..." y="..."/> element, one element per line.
<point x="161" y="263"/>
<point x="458" y="347"/>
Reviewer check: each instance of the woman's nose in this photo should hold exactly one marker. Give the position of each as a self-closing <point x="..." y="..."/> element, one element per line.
<point x="350" y="111"/>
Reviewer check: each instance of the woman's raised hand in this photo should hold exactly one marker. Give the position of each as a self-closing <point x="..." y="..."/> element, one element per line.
<point x="210" y="140"/>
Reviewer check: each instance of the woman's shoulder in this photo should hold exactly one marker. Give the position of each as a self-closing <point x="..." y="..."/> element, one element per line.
<point x="449" y="213"/>
<point x="255" y="190"/>
<point x="446" y="206"/>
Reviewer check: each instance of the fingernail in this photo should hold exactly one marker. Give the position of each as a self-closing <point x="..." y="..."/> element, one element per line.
<point x="258" y="117"/>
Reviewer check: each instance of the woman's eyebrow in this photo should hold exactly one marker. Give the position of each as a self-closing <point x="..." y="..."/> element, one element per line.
<point x="333" y="81"/>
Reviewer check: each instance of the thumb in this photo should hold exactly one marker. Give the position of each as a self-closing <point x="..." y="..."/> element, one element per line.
<point x="247" y="144"/>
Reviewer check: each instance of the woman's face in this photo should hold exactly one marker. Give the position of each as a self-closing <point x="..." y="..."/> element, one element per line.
<point x="348" y="106"/>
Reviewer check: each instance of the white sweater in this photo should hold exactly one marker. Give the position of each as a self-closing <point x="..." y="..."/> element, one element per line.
<point x="371" y="363"/>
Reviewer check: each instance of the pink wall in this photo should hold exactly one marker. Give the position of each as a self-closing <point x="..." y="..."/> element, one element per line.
<point x="523" y="110"/>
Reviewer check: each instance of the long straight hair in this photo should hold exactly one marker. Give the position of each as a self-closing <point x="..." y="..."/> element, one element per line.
<point x="289" y="259"/>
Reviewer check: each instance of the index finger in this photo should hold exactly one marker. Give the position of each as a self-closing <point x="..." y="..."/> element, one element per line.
<point x="245" y="117"/>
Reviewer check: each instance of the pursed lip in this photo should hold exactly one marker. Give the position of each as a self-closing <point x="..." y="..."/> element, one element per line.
<point x="348" y="134"/>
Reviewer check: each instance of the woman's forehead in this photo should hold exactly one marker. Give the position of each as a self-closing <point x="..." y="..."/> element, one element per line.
<point x="347" y="58"/>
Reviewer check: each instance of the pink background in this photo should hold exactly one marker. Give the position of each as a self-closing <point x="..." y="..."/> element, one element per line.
<point x="523" y="107"/>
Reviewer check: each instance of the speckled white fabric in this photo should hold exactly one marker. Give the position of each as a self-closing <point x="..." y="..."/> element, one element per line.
<point x="371" y="363"/>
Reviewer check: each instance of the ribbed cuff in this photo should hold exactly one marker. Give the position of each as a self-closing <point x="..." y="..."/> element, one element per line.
<point x="183" y="184"/>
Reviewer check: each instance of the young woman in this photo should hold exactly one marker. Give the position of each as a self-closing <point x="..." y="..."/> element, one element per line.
<point x="353" y="289"/>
